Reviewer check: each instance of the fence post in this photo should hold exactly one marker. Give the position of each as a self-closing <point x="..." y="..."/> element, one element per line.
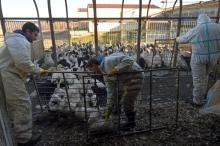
<point x="39" y="24"/>
<point x="178" y="33"/>
<point x="86" y="115"/>
<point x="150" y="103"/>
<point x="67" y="23"/>
<point x="2" y="19"/>
<point x="139" y="31"/>
<point x="177" y="97"/>
<point x="95" y="27"/>
<point x="118" y="105"/>
<point x="121" y="20"/>
<point x="67" y="93"/>
<point x="52" y="33"/>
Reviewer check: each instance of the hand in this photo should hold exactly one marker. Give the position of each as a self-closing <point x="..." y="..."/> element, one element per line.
<point x="43" y="72"/>
<point x="114" y="72"/>
<point x="106" y="115"/>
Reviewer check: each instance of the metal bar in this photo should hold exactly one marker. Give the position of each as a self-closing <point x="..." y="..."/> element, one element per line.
<point x="150" y="103"/>
<point x="148" y="8"/>
<point x="174" y="5"/>
<point x="38" y="94"/>
<point x="178" y="33"/>
<point x="67" y="23"/>
<point x="67" y="93"/>
<point x="95" y="27"/>
<point x="99" y="19"/>
<point x="139" y="31"/>
<point x="86" y="115"/>
<point x="118" y="107"/>
<point x="121" y="20"/>
<point x="217" y="19"/>
<point x="2" y="19"/>
<point x="39" y="24"/>
<point x="52" y="33"/>
<point x="38" y="18"/>
<point x="177" y="97"/>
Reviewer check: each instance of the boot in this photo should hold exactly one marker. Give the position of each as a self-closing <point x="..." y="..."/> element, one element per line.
<point x="130" y="124"/>
<point x="36" y="136"/>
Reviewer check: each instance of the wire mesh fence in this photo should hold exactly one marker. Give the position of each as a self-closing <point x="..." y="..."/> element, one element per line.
<point x="84" y="97"/>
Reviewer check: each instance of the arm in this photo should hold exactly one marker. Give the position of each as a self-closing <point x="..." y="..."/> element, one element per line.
<point x="20" y="53"/>
<point x="186" y="38"/>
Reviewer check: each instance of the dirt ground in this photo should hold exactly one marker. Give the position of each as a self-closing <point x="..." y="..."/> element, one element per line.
<point x="192" y="127"/>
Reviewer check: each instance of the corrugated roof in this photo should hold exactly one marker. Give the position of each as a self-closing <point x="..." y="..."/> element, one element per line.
<point x="119" y="6"/>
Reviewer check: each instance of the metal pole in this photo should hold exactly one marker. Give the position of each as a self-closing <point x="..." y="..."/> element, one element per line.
<point x="118" y="105"/>
<point x="86" y="115"/>
<point x="146" y="21"/>
<point x="217" y="19"/>
<point x="52" y="33"/>
<point x="67" y="23"/>
<point x="95" y="27"/>
<point x="39" y="24"/>
<point x="178" y="33"/>
<point x="38" y="17"/>
<point x="67" y="93"/>
<point x="177" y="97"/>
<point x="139" y="30"/>
<point x="150" y="103"/>
<point x="38" y="94"/>
<point x="121" y="24"/>
<point x="2" y="19"/>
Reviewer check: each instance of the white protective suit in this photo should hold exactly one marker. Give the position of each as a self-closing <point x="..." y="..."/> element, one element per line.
<point x="129" y="84"/>
<point x="15" y="64"/>
<point x="205" y="39"/>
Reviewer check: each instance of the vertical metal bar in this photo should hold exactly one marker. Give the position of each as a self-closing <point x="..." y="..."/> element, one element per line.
<point x="217" y="19"/>
<point x="150" y="103"/>
<point x="38" y="17"/>
<point x="177" y="97"/>
<point x="67" y="23"/>
<point x="178" y="33"/>
<point x="67" y="94"/>
<point x="121" y="21"/>
<point x="139" y="30"/>
<point x="95" y="27"/>
<point x="38" y="94"/>
<point x="52" y="33"/>
<point x="2" y="19"/>
<point x="86" y="115"/>
<point x="118" y="106"/>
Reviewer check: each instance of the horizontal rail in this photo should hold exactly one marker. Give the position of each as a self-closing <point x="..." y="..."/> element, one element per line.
<point x="99" y="19"/>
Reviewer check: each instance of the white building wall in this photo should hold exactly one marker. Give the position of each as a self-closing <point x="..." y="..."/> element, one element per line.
<point x="115" y="13"/>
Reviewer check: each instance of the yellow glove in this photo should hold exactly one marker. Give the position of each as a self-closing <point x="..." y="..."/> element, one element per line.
<point x="43" y="72"/>
<point x="106" y="115"/>
<point x="114" y="72"/>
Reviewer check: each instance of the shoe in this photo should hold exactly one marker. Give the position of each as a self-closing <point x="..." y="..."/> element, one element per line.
<point x="36" y="136"/>
<point x="130" y="124"/>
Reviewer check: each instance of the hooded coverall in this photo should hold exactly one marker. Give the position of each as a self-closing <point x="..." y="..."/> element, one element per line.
<point x="205" y="39"/>
<point x="15" y="64"/>
<point x="127" y="86"/>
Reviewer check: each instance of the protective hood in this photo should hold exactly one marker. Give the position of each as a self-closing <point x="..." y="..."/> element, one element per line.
<point x="203" y="18"/>
<point x="13" y="34"/>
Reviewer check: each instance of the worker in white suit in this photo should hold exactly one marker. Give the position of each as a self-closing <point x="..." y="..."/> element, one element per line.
<point x="124" y="81"/>
<point x="205" y="40"/>
<point x="15" y="65"/>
